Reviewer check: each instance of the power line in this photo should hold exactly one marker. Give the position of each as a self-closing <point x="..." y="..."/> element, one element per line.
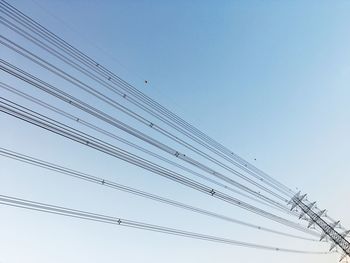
<point x="40" y="120"/>
<point x="104" y="77"/>
<point x="52" y="38"/>
<point x="209" y="171"/>
<point x="126" y="142"/>
<point x="107" y="183"/>
<point x="58" y="210"/>
<point x="135" y="92"/>
<point x="82" y="58"/>
<point x="138" y="117"/>
<point x="34" y="81"/>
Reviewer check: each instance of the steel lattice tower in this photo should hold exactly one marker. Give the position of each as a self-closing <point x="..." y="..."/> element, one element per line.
<point x="315" y="218"/>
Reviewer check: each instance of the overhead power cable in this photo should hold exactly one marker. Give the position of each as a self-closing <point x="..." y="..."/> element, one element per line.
<point x="59" y="42"/>
<point x="208" y="170"/>
<point x="58" y="210"/>
<point x="107" y="183"/>
<point x="128" y="143"/>
<point x="106" y="81"/>
<point x="34" y="81"/>
<point x="159" y="110"/>
<point x="20" y="50"/>
<point x="142" y="97"/>
<point x="40" y="120"/>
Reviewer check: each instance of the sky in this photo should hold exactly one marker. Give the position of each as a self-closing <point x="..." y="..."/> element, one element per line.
<point x="268" y="79"/>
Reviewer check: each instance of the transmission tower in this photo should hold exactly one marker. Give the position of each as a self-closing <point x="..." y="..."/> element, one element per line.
<point x="328" y="229"/>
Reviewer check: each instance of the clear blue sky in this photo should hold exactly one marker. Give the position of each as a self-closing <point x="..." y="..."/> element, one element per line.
<point x="269" y="79"/>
